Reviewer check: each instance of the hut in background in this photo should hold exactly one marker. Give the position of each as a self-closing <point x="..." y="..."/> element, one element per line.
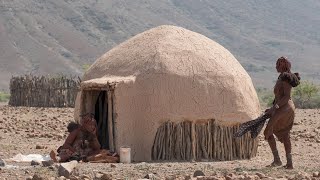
<point x="170" y="94"/>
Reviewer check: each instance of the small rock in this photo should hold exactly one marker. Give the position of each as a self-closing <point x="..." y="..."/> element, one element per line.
<point x="98" y="175"/>
<point x="85" y="176"/>
<point x="2" y="163"/>
<point x="210" y="178"/>
<point x="229" y="177"/>
<point x="47" y="163"/>
<point x="35" y="163"/>
<point x="316" y="174"/>
<point x="151" y="176"/>
<point x="31" y="135"/>
<point x="268" y="178"/>
<point x="29" y="178"/>
<point x="170" y="177"/>
<point x="302" y="175"/>
<point x="255" y="177"/>
<point x="53" y="168"/>
<point x="106" y="177"/>
<point x="40" y="147"/>
<point x="65" y="169"/>
<point x="198" y="173"/>
<point x="113" y="165"/>
<point x="75" y="178"/>
<point x="38" y="177"/>
<point x="261" y="175"/>
<point x="187" y="177"/>
<point x="245" y="173"/>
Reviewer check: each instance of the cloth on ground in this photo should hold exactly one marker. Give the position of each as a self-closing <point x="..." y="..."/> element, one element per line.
<point x="30" y="157"/>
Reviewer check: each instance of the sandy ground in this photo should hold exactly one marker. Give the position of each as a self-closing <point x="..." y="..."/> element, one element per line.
<point x="39" y="130"/>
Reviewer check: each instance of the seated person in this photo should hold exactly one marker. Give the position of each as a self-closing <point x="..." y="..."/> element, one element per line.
<point x="68" y="149"/>
<point x="82" y="143"/>
<point x="92" y="145"/>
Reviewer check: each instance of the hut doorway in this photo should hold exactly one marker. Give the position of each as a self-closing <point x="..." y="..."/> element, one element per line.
<point x="100" y="114"/>
<point x="103" y="113"/>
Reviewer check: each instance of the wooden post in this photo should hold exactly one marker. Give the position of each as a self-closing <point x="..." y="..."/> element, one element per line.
<point x="110" y="124"/>
<point x="193" y="139"/>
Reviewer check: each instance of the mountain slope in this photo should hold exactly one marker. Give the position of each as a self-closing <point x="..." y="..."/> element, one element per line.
<point x="61" y="36"/>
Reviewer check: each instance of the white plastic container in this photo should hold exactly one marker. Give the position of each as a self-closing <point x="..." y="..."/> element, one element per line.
<point x="125" y="154"/>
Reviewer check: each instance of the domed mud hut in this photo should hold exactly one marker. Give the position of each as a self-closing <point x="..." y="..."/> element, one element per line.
<point x="170" y="94"/>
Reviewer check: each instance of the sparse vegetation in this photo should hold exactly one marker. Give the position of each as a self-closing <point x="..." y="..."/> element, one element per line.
<point x="305" y="96"/>
<point x="4" y="97"/>
<point x="265" y="97"/>
<point x="85" y="67"/>
<point x="254" y="68"/>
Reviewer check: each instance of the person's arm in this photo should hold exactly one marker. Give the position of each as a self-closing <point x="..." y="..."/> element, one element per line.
<point x="70" y="140"/>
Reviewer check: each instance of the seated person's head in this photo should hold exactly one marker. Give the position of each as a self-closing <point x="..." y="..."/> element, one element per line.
<point x="72" y="126"/>
<point x="88" y="122"/>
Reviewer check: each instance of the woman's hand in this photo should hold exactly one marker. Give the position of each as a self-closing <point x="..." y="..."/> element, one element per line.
<point x="270" y="111"/>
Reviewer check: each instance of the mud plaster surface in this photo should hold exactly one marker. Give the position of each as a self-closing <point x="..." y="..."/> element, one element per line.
<point x="176" y="75"/>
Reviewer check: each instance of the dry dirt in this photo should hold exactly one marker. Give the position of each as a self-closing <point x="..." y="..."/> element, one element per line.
<point x="22" y="129"/>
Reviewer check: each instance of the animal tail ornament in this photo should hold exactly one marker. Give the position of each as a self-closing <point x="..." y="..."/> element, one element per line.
<point x="253" y="126"/>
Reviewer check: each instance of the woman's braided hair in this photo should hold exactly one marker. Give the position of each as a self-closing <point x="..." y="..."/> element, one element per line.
<point x="284" y="64"/>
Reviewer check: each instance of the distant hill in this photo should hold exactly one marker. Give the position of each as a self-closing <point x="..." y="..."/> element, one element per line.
<point x="65" y="36"/>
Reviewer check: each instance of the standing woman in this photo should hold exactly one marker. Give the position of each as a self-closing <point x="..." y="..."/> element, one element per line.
<point x="282" y="112"/>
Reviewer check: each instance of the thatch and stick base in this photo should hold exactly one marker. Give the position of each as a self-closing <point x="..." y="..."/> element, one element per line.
<point x="205" y="140"/>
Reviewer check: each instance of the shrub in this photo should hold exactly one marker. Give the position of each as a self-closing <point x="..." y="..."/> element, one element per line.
<point x="306" y="95"/>
<point x="85" y="67"/>
<point x="4" y="97"/>
<point x="265" y="97"/>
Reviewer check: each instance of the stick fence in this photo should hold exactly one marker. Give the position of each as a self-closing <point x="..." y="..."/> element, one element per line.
<point x="43" y="91"/>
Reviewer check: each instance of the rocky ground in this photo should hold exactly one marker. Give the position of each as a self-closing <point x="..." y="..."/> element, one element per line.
<point x="39" y="130"/>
